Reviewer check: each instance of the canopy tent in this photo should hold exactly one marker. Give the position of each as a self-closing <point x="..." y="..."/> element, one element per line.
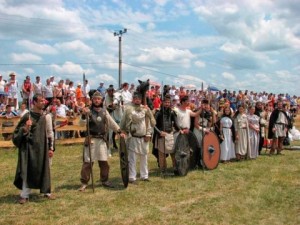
<point x="212" y="88"/>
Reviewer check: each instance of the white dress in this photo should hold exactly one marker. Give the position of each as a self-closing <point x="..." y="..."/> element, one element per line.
<point x="253" y="121"/>
<point x="227" y="145"/>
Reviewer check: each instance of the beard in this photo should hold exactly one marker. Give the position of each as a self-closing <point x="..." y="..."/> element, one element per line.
<point x="97" y="106"/>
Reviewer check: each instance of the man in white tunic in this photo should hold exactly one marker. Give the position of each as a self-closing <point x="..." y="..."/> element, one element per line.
<point x="278" y="127"/>
<point x="99" y="123"/>
<point x="137" y="122"/>
<point x="126" y="95"/>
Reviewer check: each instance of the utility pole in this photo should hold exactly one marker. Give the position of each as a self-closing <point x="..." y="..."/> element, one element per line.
<point x="120" y="33"/>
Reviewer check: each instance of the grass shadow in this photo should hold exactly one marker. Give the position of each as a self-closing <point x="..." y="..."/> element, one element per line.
<point x="13" y="199"/>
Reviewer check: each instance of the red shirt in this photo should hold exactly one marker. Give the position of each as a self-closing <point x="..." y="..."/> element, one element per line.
<point x="156" y="103"/>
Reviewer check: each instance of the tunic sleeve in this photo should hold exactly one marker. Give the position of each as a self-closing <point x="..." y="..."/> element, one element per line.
<point x="49" y="131"/>
<point x="111" y="123"/>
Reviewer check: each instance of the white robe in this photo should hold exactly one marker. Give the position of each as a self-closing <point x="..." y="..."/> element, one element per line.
<point x="227" y="145"/>
<point x="253" y="136"/>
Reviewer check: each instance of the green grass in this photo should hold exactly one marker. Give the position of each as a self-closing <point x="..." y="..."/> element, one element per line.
<point x="261" y="191"/>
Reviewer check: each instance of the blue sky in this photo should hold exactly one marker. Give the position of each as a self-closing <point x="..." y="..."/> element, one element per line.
<point x="243" y="44"/>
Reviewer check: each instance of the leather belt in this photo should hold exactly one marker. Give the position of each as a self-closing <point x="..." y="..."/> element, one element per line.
<point x="138" y="136"/>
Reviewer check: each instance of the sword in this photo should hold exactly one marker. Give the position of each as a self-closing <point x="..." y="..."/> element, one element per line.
<point x="158" y="130"/>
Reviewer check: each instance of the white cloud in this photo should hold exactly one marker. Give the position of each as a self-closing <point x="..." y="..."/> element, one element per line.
<point x="70" y="69"/>
<point x="262" y="77"/>
<point x="228" y="76"/>
<point x="232" y="47"/>
<point x="29" y="70"/>
<point x="76" y="46"/>
<point x="200" y="64"/>
<point x="37" y="48"/>
<point x="25" y="58"/>
<point x="283" y="74"/>
<point x="166" y="55"/>
<point x="151" y="26"/>
<point x="161" y="2"/>
<point x="106" y="78"/>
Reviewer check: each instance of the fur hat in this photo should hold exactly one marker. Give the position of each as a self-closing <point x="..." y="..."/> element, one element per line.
<point x="137" y="95"/>
<point x="97" y="94"/>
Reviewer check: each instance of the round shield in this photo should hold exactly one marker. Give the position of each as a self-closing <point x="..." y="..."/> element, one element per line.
<point x="182" y="154"/>
<point x="211" y="151"/>
<point x="124" y="162"/>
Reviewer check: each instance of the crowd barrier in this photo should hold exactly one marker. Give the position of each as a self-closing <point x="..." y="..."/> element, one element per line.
<point x="68" y="124"/>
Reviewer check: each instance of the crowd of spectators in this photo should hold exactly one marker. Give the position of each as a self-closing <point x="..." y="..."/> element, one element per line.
<point x="64" y="98"/>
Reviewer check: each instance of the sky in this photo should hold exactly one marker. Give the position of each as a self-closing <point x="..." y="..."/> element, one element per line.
<point x="233" y="45"/>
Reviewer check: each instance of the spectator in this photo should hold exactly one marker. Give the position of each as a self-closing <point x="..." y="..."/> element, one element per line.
<point x="12" y="89"/>
<point x="8" y="113"/>
<point x="23" y="110"/>
<point x="126" y="95"/>
<point x="78" y="91"/>
<point x="101" y="89"/>
<point x="47" y="92"/>
<point x="26" y="90"/>
<point x="37" y="86"/>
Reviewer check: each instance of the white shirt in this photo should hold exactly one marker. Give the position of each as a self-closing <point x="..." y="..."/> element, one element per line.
<point x="2" y="85"/>
<point x="62" y="110"/>
<point x="127" y="97"/>
<point x="47" y="91"/>
<point x="37" y="88"/>
<point x="85" y="90"/>
<point x="22" y="113"/>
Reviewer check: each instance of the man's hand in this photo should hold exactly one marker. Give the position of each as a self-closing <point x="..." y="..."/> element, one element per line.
<point x="123" y="135"/>
<point x="27" y="126"/>
<point x="163" y="134"/>
<point x="147" y="138"/>
<point x="184" y="131"/>
<point x="50" y="153"/>
<point x="86" y="111"/>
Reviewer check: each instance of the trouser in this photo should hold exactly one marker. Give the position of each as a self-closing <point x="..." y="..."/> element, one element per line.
<point x="277" y="143"/>
<point x="163" y="160"/>
<point x="261" y="143"/>
<point x="132" y="156"/>
<point x="86" y="171"/>
<point x="25" y="192"/>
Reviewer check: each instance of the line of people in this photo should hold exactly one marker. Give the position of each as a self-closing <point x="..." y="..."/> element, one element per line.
<point x="240" y="135"/>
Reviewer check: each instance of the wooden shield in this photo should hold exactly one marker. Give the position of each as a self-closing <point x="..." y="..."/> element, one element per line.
<point x="182" y="154"/>
<point x="124" y="162"/>
<point x="211" y="151"/>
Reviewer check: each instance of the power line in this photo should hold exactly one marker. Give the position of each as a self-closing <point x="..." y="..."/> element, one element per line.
<point x="49" y="64"/>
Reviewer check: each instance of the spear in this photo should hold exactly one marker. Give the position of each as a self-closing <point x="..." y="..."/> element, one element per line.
<point x="89" y="141"/>
<point x="202" y="118"/>
<point x="163" y="126"/>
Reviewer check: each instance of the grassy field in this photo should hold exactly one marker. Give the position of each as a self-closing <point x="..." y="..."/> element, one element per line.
<point x="261" y="191"/>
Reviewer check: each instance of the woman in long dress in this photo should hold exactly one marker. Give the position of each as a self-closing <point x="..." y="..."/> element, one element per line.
<point x="253" y="121"/>
<point x="227" y="133"/>
<point x="241" y="133"/>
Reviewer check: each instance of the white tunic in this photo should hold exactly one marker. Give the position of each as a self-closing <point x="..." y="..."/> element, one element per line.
<point x="253" y="121"/>
<point x="227" y="145"/>
<point x="183" y="118"/>
<point x="241" y="129"/>
<point x="280" y="125"/>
